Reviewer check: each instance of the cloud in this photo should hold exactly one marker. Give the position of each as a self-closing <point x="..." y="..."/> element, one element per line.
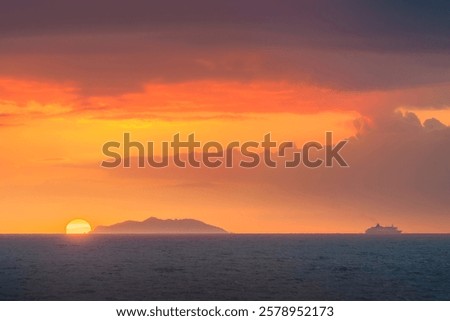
<point x="124" y="62"/>
<point x="149" y="58"/>
<point x="209" y="99"/>
<point x="107" y="47"/>
<point x="433" y="124"/>
<point x="399" y="173"/>
<point x="384" y="25"/>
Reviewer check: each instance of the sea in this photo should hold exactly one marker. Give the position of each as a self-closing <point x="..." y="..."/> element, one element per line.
<point x="224" y="267"/>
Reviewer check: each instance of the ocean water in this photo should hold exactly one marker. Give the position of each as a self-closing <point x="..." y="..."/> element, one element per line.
<point x="225" y="267"/>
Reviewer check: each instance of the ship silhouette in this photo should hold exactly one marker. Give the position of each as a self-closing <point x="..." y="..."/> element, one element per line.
<point x="383" y="230"/>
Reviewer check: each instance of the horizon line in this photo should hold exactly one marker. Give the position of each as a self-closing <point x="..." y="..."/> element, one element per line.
<point x="232" y="233"/>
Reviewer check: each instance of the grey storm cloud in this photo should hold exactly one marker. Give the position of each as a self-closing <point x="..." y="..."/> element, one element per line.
<point x="117" y="46"/>
<point x="392" y="157"/>
<point x="399" y="169"/>
<point x="380" y="25"/>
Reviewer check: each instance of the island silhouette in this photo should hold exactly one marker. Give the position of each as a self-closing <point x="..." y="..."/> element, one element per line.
<point x="155" y="225"/>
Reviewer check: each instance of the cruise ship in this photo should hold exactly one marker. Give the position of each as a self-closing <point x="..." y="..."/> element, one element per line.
<point x="383" y="230"/>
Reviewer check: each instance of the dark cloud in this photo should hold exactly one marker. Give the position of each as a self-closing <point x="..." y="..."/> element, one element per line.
<point x="114" y="63"/>
<point x="112" y="47"/>
<point x="384" y="25"/>
<point x="433" y="124"/>
<point x="399" y="173"/>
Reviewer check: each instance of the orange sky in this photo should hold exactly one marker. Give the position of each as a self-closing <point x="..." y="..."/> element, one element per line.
<point x="66" y="90"/>
<point x="51" y="158"/>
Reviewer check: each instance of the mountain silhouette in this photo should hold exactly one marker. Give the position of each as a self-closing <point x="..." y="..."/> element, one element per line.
<point x="155" y="225"/>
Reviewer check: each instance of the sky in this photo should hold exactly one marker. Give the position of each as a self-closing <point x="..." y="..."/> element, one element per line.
<point x="74" y="75"/>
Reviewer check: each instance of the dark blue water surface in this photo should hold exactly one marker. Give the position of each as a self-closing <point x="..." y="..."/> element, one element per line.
<point x="225" y="267"/>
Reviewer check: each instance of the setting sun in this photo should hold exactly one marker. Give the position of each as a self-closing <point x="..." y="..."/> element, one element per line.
<point x="78" y="226"/>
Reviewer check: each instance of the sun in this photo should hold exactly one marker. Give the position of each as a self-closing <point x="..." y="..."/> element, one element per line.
<point x="78" y="226"/>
